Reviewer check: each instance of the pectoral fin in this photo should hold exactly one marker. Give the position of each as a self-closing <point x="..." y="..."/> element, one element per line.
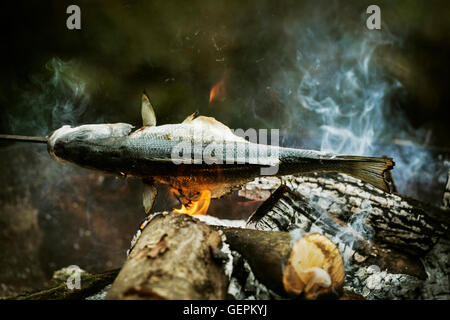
<point x="148" y="114"/>
<point x="149" y="195"/>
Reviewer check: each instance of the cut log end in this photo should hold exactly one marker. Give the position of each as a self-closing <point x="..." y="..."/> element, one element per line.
<point x="315" y="267"/>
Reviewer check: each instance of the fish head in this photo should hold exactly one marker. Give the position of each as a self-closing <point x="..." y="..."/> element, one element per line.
<point x="71" y="137"/>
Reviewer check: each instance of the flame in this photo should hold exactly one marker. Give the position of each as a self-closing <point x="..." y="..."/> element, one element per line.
<point x="197" y="207"/>
<point x="217" y="91"/>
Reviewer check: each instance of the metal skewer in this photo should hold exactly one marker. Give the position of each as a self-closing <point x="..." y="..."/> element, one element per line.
<point x="11" y="137"/>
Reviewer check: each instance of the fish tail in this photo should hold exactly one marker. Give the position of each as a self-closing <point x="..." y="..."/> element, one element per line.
<point x="368" y="169"/>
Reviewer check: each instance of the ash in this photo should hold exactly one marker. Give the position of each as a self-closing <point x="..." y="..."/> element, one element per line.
<point x="363" y="279"/>
<point x="372" y="283"/>
<point x="213" y="221"/>
<point x="437" y="267"/>
<point x="243" y="284"/>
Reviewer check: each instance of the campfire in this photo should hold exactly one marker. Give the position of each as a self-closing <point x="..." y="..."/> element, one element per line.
<point x="284" y="152"/>
<point x="199" y="207"/>
<point x="295" y="244"/>
<point x="328" y="225"/>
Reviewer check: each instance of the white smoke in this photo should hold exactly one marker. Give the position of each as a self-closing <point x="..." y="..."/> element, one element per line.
<point x="69" y="87"/>
<point x="342" y="87"/>
<point x="54" y="97"/>
<point x="340" y="96"/>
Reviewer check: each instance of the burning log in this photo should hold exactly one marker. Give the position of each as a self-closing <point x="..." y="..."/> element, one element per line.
<point x="172" y="259"/>
<point x="317" y="232"/>
<point x="177" y="257"/>
<point x="393" y="221"/>
<point x="312" y="266"/>
<point x="286" y="211"/>
<point x="373" y="231"/>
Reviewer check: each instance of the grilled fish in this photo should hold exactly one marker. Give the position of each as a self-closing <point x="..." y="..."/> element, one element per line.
<point x="174" y="154"/>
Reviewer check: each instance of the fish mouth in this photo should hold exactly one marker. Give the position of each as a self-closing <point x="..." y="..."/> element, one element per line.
<point x="85" y="133"/>
<point x="54" y="137"/>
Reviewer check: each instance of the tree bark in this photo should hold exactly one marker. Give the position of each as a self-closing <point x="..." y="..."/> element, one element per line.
<point x="176" y="257"/>
<point x="287" y="211"/>
<point x="172" y="259"/>
<point x="370" y="228"/>
<point x="382" y="237"/>
<point x="392" y="221"/>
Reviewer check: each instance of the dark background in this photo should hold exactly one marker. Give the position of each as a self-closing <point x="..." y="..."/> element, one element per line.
<point x="258" y="52"/>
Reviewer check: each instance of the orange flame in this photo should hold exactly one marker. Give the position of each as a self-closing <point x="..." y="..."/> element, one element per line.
<point x="217" y="92"/>
<point x="197" y="207"/>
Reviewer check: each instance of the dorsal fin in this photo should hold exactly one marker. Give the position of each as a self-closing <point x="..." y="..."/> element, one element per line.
<point x="190" y="117"/>
<point x="147" y="112"/>
<point x="212" y="127"/>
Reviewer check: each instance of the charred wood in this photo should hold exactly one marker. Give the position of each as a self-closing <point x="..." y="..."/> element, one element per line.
<point x="397" y="222"/>
<point x="287" y="211"/>
<point x="276" y="258"/>
<point x="178" y="257"/>
<point x="387" y="241"/>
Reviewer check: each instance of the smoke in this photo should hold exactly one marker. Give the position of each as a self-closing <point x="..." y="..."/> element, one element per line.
<point x="70" y="96"/>
<point x="357" y="228"/>
<point x="82" y="214"/>
<point x="55" y="97"/>
<point x="296" y="235"/>
<point x="345" y="93"/>
<point x="339" y="95"/>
